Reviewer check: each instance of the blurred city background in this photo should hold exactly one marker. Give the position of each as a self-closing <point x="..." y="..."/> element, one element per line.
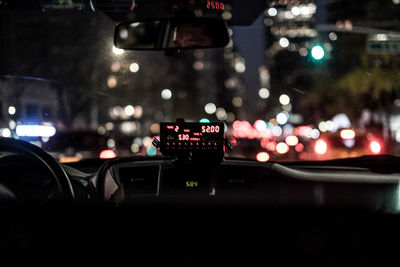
<point x="307" y="80"/>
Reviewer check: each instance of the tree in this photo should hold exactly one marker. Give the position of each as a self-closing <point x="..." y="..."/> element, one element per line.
<point x="353" y="79"/>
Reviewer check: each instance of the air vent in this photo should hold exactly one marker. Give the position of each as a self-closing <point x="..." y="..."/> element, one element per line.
<point x="139" y="180"/>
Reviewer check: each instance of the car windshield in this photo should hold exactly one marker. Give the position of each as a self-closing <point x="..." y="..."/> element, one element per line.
<point x="299" y="80"/>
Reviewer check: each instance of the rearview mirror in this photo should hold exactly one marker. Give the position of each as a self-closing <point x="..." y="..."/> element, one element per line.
<point x="171" y="33"/>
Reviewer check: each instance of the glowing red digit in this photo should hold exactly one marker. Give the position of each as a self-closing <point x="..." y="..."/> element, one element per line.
<point x="212" y="5"/>
<point x="208" y="4"/>
<point x="176" y="128"/>
<point x="212" y="129"/>
<point x="217" y="129"/>
<point x="203" y="129"/>
<point x="221" y="6"/>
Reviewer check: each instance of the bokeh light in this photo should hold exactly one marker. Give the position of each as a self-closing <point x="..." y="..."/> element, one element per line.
<point x="282" y="118"/>
<point x="272" y="12"/>
<point x="237" y="101"/>
<point x="292" y="140"/>
<point x="138" y="112"/>
<point x="262" y="157"/>
<point x="210" y="108"/>
<point x="129" y="110"/>
<point x="347" y="134"/>
<point x="134" y="67"/>
<point x="12" y="110"/>
<point x="151" y="151"/>
<point x="221" y="114"/>
<point x="375" y="147"/>
<point x="166" y="94"/>
<point x="320" y="147"/>
<point x="112" y="81"/>
<point x="135" y="148"/>
<point x="263" y="93"/>
<point x="282" y="148"/>
<point x="284" y="99"/>
<point x="284" y="42"/>
<point x="317" y="52"/>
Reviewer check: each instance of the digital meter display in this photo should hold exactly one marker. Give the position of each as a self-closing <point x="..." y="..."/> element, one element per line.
<point x="201" y="137"/>
<point x="215" y="5"/>
<point x="196" y="4"/>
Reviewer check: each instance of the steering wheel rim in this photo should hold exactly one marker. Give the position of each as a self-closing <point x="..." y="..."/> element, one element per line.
<point x="58" y="174"/>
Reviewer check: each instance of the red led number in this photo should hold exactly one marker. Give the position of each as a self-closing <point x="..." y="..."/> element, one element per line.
<point x="210" y="129"/>
<point x="217" y="5"/>
<point x="183" y="137"/>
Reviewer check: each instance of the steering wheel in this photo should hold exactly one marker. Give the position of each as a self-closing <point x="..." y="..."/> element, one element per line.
<point x="42" y="158"/>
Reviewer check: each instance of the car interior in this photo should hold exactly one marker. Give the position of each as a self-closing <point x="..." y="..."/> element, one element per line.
<point x="193" y="204"/>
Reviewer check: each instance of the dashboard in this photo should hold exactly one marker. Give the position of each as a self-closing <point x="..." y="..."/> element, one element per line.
<point x="242" y="182"/>
<point x="246" y="212"/>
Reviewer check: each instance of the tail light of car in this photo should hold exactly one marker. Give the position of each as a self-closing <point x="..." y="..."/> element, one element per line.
<point x="375" y="147"/>
<point x="262" y="157"/>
